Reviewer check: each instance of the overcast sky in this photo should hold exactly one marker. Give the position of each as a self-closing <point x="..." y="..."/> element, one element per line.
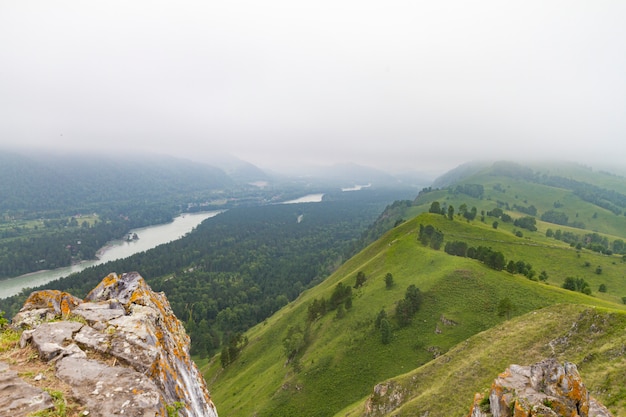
<point x="421" y="85"/>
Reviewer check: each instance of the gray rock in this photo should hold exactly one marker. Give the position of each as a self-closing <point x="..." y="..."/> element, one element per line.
<point x="111" y="390"/>
<point x="18" y="398"/>
<point x="93" y="339"/>
<point x="49" y="338"/>
<point x="99" y="312"/>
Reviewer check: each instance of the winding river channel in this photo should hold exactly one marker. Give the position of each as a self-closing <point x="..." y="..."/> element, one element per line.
<point x="149" y="237"/>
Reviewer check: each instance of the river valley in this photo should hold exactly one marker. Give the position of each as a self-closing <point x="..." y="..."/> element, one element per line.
<point x="148" y="238"/>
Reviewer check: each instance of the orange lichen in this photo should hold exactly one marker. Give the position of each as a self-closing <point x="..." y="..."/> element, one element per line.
<point x="57" y="302"/>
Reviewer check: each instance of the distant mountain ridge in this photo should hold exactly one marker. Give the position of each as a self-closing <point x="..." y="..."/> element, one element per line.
<point x="37" y="182"/>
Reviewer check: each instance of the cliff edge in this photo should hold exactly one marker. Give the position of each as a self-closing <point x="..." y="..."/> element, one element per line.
<point x="121" y="351"/>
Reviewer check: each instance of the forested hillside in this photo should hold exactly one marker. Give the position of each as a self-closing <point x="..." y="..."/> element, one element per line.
<point x="42" y="185"/>
<point x="478" y="256"/>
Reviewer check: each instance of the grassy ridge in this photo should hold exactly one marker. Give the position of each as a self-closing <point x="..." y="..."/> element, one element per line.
<point x="521" y="192"/>
<point x="345" y="357"/>
<point x="591" y="337"/>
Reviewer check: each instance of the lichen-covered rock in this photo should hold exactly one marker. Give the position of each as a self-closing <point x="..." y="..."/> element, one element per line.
<point x="45" y="305"/>
<point x="124" y="320"/>
<point x="545" y="389"/>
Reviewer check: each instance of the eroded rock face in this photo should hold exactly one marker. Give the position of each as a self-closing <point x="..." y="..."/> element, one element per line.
<point x="546" y="389"/>
<point x="143" y="364"/>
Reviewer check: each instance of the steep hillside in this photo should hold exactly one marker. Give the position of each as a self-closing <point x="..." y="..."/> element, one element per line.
<point x="306" y="363"/>
<point x="593" y="338"/>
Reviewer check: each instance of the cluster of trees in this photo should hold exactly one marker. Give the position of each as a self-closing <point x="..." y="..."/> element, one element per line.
<point x="577" y="284"/>
<point x="340" y="300"/>
<point x="493" y="259"/>
<point x="472" y="190"/>
<point x="231" y="351"/>
<point x="437" y="208"/>
<point x="295" y="343"/>
<point x="430" y="236"/>
<point x="526" y="222"/>
<point x="500" y="214"/>
<point x="409" y="305"/>
<point x="296" y="340"/>
<point x="530" y="210"/>
<point x="556" y="217"/>
<point x="448" y="211"/>
<point x="469" y="214"/>
<point x="592" y="241"/>
<point x="526" y="269"/>
<point x="486" y="255"/>
<point x="406" y="309"/>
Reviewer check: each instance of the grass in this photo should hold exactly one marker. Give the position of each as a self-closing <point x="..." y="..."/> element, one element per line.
<point x="445" y="386"/>
<point x="345" y="357"/>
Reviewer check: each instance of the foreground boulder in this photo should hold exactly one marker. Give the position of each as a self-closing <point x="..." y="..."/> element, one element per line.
<point x="121" y="350"/>
<point x="546" y="389"/>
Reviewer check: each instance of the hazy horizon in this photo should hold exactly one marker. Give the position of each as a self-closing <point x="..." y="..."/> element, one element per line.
<point x="403" y="86"/>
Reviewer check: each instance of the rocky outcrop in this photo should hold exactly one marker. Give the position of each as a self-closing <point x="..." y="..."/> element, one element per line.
<point x="545" y="389"/>
<point x="121" y="350"/>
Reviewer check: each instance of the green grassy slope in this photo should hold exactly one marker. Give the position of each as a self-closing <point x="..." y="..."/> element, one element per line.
<point x="345" y="357"/>
<point x="593" y="338"/>
<point x="506" y="189"/>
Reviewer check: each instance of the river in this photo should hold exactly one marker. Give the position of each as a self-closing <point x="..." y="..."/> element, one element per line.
<point x="309" y="198"/>
<point x="149" y="237"/>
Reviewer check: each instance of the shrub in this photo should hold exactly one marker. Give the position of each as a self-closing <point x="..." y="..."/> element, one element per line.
<point x="360" y="279"/>
<point x="577" y="284"/>
<point x="385" y="331"/>
<point x="388" y="280"/>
